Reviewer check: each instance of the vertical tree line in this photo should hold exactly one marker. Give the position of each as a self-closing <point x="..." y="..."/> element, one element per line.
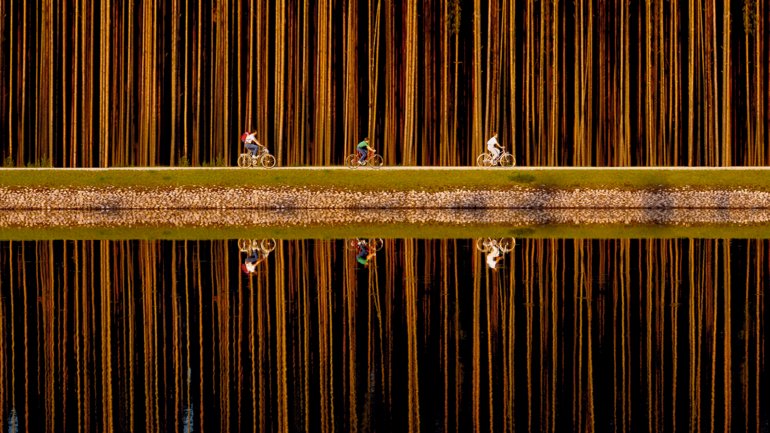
<point x="591" y="82"/>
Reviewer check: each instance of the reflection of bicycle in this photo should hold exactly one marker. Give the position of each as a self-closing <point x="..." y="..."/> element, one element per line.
<point x="372" y="160"/>
<point x="505" y="159"/>
<point x="374" y="244"/>
<point x="266" y="245"/>
<point x="503" y="244"/>
<point x="262" y="159"/>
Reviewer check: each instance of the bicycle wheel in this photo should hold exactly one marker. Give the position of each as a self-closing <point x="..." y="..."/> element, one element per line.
<point x="507" y="160"/>
<point x="244" y="245"/>
<point x="268" y="245"/>
<point x="376" y="161"/>
<point x="484" y="160"/>
<point x="268" y="160"/>
<point x="352" y="161"/>
<point x="244" y="160"/>
<point x="480" y="245"/>
<point x="507" y="244"/>
<point x="376" y="243"/>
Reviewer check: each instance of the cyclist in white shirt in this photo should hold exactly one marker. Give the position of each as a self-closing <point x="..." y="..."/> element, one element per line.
<point x="494" y="147"/>
<point x="251" y="143"/>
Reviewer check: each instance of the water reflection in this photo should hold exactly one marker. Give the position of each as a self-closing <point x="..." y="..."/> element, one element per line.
<point x="576" y="335"/>
<point x="495" y="249"/>
<point x="365" y="249"/>
<point x="257" y="251"/>
<point x="13" y="422"/>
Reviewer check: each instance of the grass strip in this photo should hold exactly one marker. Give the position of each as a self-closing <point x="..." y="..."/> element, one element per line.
<point x="395" y="178"/>
<point x="341" y="231"/>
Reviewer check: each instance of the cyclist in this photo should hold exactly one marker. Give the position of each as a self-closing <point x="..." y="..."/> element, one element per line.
<point x="492" y="146"/>
<point x="363" y="148"/>
<point x="253" y="145"/>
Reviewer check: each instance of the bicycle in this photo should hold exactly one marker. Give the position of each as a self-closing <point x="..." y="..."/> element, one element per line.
<point x="505" y="159"/>
<point x="264" y="159"/>
<point x="266" y="245"/>
<point x="371" y="160"/>
<point x="257" y="251"/>
<point x="505" y="245"/>
<point x="374" y="244"/>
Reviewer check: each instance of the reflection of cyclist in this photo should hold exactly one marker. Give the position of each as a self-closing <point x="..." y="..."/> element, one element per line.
<point x="363" y="148"/>
<point x="493" y="253"/>
<point x="364" y="254"/>
<point x="252" y="261"/>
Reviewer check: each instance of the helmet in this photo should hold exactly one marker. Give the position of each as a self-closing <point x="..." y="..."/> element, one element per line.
<point x="244" y="268"/>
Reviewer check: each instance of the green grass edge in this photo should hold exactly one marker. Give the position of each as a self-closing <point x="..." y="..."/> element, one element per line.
<point x="406" y="231"/>
<point x="394" y="178"/>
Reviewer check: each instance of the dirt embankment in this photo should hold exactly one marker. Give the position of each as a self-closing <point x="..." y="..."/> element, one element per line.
<point x="309" y="198"/>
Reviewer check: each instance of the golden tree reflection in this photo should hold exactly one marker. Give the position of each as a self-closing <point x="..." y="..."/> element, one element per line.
<point x="578" y="335"/>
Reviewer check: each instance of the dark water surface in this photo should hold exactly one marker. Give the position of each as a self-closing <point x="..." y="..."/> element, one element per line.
<point x="562" y="335"/>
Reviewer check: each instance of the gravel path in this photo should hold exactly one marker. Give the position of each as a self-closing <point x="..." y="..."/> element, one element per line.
<point x="337" y="217"/>
<point x="307" y="198"/>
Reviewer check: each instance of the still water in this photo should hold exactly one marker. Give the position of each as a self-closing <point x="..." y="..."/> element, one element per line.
<point x="384" y="335"/>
